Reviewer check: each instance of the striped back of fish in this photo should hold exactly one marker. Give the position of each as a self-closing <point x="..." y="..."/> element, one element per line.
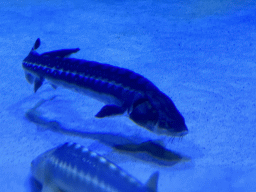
<point x="83" y="72"/>
<point x="74" y="168"/>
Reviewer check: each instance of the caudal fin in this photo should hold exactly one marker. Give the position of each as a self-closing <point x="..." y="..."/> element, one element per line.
<point x="36" y="45"/>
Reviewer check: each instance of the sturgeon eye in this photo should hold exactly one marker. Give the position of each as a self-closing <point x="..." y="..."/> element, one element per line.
<point x="139" y="102"/>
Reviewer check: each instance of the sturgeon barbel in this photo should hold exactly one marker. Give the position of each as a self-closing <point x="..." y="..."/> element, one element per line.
<point x="73" y="168"/>
<point x="122" y="90"/>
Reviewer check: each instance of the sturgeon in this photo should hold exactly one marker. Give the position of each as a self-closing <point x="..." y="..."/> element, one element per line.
<point x="122" y="90"/>
<point x="73" y="168"/>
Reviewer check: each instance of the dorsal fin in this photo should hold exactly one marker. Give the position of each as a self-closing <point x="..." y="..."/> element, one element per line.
<point x="152" y="182"/>
<point x="61" y="53"/>
<point x="36" y="45"/>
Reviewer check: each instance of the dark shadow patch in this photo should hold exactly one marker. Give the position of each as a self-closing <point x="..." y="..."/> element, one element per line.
<point x="147" y="151"/>
<point x="156" y="152"/>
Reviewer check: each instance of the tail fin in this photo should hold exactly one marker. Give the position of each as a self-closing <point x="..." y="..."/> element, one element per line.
<point x="152" y="182"/>
<point x="36" y="45"/>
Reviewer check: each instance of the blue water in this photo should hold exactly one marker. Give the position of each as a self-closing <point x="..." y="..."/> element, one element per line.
<point x="202" y="55"/>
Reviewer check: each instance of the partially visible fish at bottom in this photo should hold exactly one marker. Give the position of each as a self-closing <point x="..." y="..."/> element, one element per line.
<point x="73" y="168"/>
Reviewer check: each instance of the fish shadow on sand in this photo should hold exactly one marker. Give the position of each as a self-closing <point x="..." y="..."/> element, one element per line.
<point x="148" y="151"/>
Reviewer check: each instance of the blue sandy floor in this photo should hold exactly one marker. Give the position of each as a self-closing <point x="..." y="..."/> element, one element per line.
<point x="200" y="54"/>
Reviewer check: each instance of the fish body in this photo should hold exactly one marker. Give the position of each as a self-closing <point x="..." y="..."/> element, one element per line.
<point x="122" y="90"/>
<point x="71" y="167"/>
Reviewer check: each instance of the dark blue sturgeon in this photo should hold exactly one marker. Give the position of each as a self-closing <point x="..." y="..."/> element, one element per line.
<point x="122" y="90"/>
<point x="73" y="168"/>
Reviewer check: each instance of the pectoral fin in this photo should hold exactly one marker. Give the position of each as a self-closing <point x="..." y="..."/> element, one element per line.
<point x="61" y="53"/>
<point x="110" y="110"/>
